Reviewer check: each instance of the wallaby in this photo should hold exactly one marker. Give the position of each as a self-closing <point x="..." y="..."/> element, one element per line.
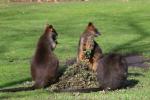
<point x="44" y="65"/>
<point x="112" y="71"/>
<point x="88" y="49"/>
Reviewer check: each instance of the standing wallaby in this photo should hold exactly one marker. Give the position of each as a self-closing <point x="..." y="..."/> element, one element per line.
<point x="44" y="65"/>
<point x="88" y="49"/>
<point x="112" y="72"/>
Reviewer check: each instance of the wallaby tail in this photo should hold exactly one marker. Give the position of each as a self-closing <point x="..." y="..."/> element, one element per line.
<point x="19" y="89"/>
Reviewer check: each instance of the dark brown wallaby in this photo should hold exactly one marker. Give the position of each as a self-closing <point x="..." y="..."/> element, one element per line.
<point x="112" y="72"/>
<point x="88" y="49"/>
<point x="44" y="65"/>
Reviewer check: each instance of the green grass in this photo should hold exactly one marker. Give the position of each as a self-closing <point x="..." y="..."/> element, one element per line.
<point x="124" y="27"/>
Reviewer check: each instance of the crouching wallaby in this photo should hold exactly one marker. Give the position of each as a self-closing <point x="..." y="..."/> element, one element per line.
<point x="44" y="65"/>
<point x="112" y="72"/>
<point x="88" y="49"/>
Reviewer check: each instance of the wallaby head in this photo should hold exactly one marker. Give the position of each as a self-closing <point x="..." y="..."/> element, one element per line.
<point x="51" y="34"/>
<point x="92" y="30"/>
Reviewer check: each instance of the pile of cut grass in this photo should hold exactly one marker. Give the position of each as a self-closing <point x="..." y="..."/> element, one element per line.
<point x="76" y="76"/>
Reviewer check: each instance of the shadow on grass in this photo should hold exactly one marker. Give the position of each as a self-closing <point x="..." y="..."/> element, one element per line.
<point x="133" y="46"/>
<point x="19" y="96"/>
<point x="15" y="82"/>
<point x="135" y="74"/>
<point x="6" y="97"/>
<point x="131" y="83"/>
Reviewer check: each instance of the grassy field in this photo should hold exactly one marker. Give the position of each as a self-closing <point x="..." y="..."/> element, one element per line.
<point x="125" y="28"/>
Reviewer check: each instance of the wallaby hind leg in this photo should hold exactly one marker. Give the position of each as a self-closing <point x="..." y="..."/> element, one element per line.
<point x="40" y="84"/>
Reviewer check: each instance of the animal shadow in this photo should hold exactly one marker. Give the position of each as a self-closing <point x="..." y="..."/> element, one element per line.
<point x="14" y="83"/>
<point x="130" y="83"/>
<point x="135" y="74"/>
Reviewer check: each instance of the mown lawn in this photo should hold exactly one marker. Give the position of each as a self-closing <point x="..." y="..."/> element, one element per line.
<point x="125" y="29"/>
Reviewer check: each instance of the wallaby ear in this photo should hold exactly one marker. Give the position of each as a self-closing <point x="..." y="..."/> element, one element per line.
<point x="90" y="23"/>
<point x="50" y="26"/>
<point x="46" y="27"/>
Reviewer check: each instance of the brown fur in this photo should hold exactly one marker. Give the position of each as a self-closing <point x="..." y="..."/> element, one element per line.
<point x="45" y="64"/>
<point x="87" y="42"/>
<point x="112" y="72"/>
